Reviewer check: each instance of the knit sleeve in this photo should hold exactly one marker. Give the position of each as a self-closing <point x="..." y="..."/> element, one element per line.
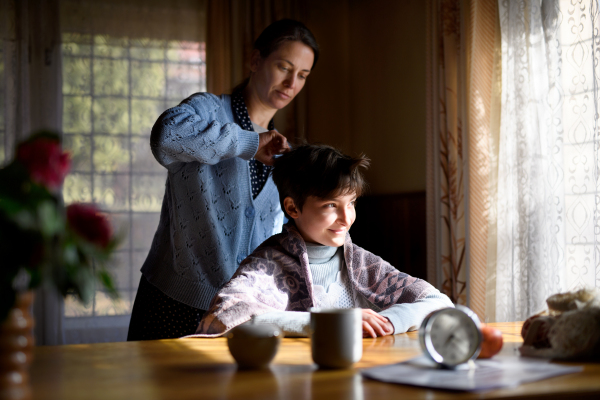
<point x="293" y="323"/>
<point x="408" y="316"/>
<point x="193" y="131"/>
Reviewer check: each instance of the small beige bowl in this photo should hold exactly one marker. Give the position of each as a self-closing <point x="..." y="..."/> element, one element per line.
<point x="254" y="345"/>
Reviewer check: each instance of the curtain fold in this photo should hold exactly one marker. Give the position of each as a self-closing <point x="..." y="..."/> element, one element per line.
<point x="483" y="39"/>
<point x="446" y="114"/>
<point x="32" y="82"/>
<point x="530" y="160"/>
<point x="462" y="35"/>
<point x="531" y="208"/>
<point x="14" y="25"/>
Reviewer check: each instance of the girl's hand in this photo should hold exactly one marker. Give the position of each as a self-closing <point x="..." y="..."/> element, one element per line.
<point x="375" y="325"/>
<point x="270" y="143"/>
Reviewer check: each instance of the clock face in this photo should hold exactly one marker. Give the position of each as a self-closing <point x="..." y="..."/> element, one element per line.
<point x="452" y="336"/>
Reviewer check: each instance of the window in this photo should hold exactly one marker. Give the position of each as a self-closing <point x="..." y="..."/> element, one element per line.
<point x="114" y="88"/>
<point x="577" y="97"/>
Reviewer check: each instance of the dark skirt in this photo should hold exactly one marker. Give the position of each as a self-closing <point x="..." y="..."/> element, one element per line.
<point x="157" y="316"/>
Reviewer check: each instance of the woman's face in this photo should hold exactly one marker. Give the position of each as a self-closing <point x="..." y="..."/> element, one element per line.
<point x="278" y="78"/>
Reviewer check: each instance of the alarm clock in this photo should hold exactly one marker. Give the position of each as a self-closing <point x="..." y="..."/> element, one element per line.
<point x="451" y="336"/>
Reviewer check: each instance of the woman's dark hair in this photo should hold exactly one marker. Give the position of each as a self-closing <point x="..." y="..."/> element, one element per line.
<point x="285" y="30"/>
<point x="318" y="170"/>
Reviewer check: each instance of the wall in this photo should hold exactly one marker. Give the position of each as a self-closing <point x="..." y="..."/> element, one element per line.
<point x="367" y="95"/>
<point x="367" y="92"/>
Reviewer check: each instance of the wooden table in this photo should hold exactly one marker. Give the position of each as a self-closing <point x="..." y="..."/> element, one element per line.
<point x="203" y="369"/>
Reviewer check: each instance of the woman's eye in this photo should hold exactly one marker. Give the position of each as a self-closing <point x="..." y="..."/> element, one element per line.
<point x="330" y="205"/>
<point x="302" y="76"/>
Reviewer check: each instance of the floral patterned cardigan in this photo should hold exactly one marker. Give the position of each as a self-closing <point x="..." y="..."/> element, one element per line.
<point x="276" y="277"/>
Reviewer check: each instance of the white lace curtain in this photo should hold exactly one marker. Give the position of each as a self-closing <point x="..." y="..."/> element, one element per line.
<point x="548" y="188"/>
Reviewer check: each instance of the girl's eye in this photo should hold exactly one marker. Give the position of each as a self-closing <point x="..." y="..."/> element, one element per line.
<point x="330" y="205"/>
<point x="302" y="77"/>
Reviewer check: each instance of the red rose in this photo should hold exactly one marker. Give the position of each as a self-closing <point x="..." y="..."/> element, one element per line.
<point x="90" y="223"/>
<point x="45" y="161"/>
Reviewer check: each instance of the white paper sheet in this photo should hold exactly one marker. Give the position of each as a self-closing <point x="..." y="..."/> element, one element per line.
<point x="495" y="373"/>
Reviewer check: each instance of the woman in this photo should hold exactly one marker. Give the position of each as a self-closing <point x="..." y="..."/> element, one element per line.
<point x="220" y="202"/>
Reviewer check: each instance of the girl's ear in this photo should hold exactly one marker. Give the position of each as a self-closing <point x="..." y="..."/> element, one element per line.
<point x="290" y="207"/>
<point x="255" y="60"/>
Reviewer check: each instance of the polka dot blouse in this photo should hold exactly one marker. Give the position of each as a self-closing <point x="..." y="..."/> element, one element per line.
<point x="259" y="172"/>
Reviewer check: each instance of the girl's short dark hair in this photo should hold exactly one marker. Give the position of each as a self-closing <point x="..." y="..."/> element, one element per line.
<point x="285" y="30"/>
<point x="318" y="170"/>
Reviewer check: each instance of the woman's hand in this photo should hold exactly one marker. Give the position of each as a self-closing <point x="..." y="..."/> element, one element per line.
<point x="375" y="325"/>
<point x="270" y="144"/>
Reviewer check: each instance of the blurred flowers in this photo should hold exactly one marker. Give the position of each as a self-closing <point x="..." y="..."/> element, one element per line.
<point x="46" y="163"/>
<point x="87" y="221"/>
<point x="41" y="240"/>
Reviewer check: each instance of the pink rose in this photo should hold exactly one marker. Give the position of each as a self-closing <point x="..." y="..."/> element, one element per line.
<point x="90" y="223"/>
<point x="45" y="161"/>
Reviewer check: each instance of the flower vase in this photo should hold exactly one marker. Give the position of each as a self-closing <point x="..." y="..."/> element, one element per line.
<point x="16" y="349"/>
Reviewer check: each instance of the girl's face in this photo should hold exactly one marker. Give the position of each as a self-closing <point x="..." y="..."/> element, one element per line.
<point x="324" y="221"/>
<point x="280" y="77"/>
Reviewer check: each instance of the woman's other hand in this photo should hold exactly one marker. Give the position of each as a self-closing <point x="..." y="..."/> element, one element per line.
<point x="270" y="143"/>
<point x="375" y="325"/>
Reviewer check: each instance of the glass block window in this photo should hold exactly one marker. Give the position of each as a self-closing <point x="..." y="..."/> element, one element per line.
<point x="114" y="89"/>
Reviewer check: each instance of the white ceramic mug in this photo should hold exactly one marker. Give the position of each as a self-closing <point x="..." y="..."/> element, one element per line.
<point x="336" y="336"/>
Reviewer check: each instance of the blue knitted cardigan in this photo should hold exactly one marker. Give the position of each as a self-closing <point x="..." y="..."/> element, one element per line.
<point x="209" y="221"/>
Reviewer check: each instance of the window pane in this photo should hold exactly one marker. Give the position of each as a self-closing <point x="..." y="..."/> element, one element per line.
<point x="140" y="109"/>
<point x="77" y="44"/>
<point x="183" y="77"/>
<point x="77" y="113"/>
<point x="111" y="191"/>
<point x="147" y="79"/>
<point x="146" y="196"/>
<point x="142" y="158"/>
<point x="110" y="47"/>
<point x="73" y="308"/>
<point x="114" y="90"/>
<point x="111" y="115"/>
<point x="111" y="154"/>
<point x="77" y="188"/>
<point x="148" y="49"/>
<point x="79" y="76"/>
<point x="110" y="77"/>
<point x="80" y="148"/>
<point x="105" y="305"/>
<point x="142" y="223"/>
<point x="120" y="225"/>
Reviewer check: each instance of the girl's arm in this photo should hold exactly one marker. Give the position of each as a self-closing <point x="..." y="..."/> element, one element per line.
<point x="293" y="323"/>
<point x="408" y="316"/>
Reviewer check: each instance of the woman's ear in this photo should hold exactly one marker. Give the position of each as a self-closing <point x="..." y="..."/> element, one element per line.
<point x="255" y="60"/>
<point x="290" y="208"/>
